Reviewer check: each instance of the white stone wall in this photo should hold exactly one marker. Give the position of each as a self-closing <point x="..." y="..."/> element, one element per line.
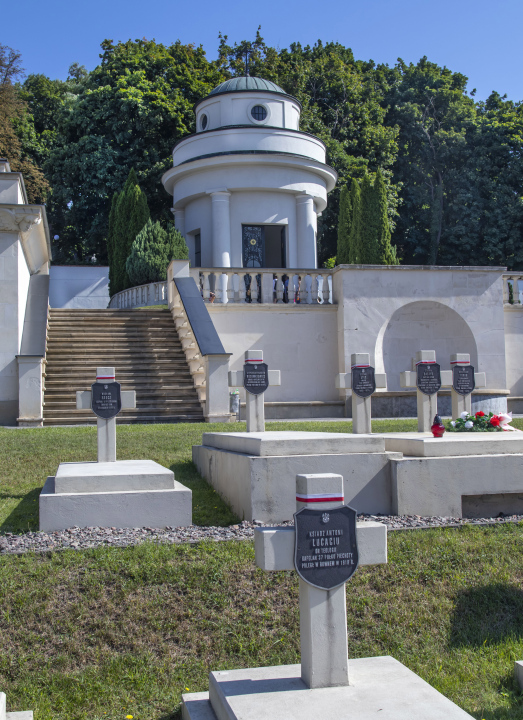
<point x="79" y="286"/>
<point x="12" y="303"/>
<point x="235" y="109"/>
<point x="299" y="341"/>
<point x="513" y="315"/>
<point x="392" y="312"/>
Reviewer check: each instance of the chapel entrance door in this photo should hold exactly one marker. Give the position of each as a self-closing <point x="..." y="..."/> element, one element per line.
<point x="253" y="246"/>
<point x="263" y="246"/>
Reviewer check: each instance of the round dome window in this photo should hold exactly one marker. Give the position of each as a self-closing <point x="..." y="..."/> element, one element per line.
<point x="203" y="121"/>
<point x="259" y="113"/>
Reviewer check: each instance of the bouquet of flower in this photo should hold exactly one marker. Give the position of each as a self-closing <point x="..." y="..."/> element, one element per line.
<point x="481" y="422"/>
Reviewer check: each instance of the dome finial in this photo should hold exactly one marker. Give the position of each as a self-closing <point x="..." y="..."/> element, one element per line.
<point x="247" y="63"/>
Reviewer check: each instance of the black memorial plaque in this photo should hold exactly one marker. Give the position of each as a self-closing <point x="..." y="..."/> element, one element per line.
<point x="325" y="550"/>
<point x="106" y="399"/>
<point x="363" y="381"/>
<point x="463" y="380"/>
<point x="428" y="378"/>
<point x="255" y="377"/>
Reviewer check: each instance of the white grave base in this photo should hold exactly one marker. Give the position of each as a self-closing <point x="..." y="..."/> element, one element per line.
<point x="255" y="472"/>
<point x="459" y="475"/>
<point x="23" y="715"/>
<point x="379" y="687"/>
<point x="123" y="494"/>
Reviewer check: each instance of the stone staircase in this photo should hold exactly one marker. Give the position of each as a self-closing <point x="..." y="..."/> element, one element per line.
<point x="145" y="350"/>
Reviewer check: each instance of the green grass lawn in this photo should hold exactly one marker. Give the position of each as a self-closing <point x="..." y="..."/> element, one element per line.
<point x="28" y="456"/>
<point x="101" y="634"/>
<point x="106" y="633"/>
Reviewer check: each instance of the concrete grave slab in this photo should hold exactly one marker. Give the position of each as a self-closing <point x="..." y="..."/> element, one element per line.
<point x="294" y="443"/>
<point x="380" y="687"/>
<point x="84" y="477"/>
<point x="263" y="487"/>
<point x="454" y="444"/>
<point x="122" y="509"/>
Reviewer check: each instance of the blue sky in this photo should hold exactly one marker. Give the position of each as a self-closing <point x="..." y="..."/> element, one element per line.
<point x="480" y="38"/>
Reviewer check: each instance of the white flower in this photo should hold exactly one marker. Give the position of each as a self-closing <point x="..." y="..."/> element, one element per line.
<point x="453" y="423"/>
<point x="469" y="424"/>
<point x="464" y="415"/>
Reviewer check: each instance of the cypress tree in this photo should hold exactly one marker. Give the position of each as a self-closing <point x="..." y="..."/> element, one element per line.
<point x="110" y="243"/>
<point x="131" y="214"/>
<point x="386" y="251"/>
<point x="344" y="224"/>
<point x="152" y="251"/>
<point x="355" y="227"/>
<point x="369" y="224"/>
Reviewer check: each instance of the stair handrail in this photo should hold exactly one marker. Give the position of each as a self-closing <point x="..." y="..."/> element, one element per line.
<point x="208" y="362"/>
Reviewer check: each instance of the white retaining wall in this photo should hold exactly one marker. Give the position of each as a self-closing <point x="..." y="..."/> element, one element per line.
<point x="79" y="286"/>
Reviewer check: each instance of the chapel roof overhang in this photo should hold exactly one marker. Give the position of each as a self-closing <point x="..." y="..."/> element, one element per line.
<point x="247" y="84"/>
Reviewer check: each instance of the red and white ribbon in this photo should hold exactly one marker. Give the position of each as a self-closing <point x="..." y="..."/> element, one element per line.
<point x="254" y="361"/>
<point x="460" y="362"/>
<point x="359" y="366"/>
<point x="319" y="498"/>
<point x="105" y="377"/>
<point x="425" y="362"/>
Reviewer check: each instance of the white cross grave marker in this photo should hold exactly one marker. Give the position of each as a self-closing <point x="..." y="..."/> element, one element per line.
<point x="323" y="613"/>
<point x="461" y="378"/>
<point x="427" y="404"/>
<point x="254" y="401"/>
<point x="106" y="427"/>
<point x="355" y="380"/>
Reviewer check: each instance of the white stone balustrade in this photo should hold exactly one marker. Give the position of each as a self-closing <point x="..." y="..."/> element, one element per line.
<point x="516" y="280"/>
<point x="140" y="296"/>
<point x="265" y="285"/>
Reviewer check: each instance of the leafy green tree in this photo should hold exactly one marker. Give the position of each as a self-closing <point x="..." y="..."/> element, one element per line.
<point x="16" y="128"/>
<point x="128" y="113"/>
<point x="129" y="215"/>
<point x="355" y="237"/>
<point x="152" y="251"/>
<point x="386" y="252"/>
<point x="344" y="223"/>
<point x="369" y="247"/>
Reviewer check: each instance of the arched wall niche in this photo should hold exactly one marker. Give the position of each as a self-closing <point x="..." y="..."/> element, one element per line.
<point x="422" y="325"/>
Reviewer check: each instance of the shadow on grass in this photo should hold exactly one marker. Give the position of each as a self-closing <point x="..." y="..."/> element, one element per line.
<point x="24" y="516"/>
<point x="487" y="615"/>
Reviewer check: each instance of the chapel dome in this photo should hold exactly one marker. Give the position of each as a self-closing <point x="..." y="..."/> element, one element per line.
<point x="247" y="84"/>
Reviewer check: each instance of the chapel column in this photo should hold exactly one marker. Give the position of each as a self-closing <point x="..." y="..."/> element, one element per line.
<point x="221" y="229"/>
<point x="179" y="220"/>
<point x="306" y="223"/>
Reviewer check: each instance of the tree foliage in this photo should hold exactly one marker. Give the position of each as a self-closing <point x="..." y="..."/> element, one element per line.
<point x="129" y="214"/>
<point x="449" y="170"/>
<point x="16" y="130"/>
<point x="152" y="251"/>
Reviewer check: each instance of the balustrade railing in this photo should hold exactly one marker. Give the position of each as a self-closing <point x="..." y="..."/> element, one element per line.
<point x="513" y="288"/>
<point x="140" y="296"/>
<point x="264" y="285"/>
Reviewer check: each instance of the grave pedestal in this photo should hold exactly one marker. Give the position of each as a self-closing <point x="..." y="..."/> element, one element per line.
<point x="380" y="687"/>
<point x="123" y="494"/>
<point x="255" y="472"/>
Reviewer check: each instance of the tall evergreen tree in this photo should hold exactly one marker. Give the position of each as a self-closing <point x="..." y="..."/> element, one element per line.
<point x="355" y="228"/>
<point x="344" y="224"/>
<point x="110" y="243"/>
<point x="386" y="252"/>
<point x="369" y="251"/>
<point x="152" y="251"/>
<point x="130" y="215"/>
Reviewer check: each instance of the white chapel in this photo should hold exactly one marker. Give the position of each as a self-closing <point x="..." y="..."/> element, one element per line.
<point x="248" y="185"/>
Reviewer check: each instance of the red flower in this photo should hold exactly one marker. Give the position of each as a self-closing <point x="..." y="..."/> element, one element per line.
<point x="480" y="414"/>
<point x="494" y="421"/>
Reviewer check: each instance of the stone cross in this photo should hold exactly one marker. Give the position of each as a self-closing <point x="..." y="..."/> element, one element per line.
<point x="106" y="428"/>
<point x="323" y="613"/>
<point x="462" y="403"/>
<point x="254" y="403"/>
<point x="427" y="405"/>
<point x="361" y="406"/>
